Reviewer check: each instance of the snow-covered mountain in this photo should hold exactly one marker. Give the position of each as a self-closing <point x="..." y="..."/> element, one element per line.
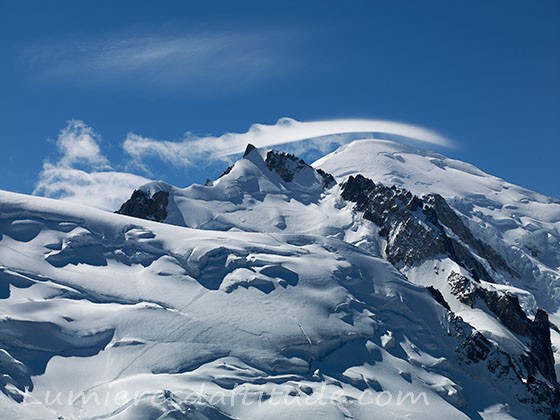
<point x="381" y="281"/>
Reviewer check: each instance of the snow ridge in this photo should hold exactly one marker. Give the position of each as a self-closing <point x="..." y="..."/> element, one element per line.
<point x="275" y="285"/>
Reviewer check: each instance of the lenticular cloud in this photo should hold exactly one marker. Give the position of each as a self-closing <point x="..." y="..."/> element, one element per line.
<point x="286" y="130"/>
<point x="84" y="174"/>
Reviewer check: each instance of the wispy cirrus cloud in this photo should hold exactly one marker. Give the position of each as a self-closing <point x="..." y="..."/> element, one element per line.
<point x="224" y="60"/>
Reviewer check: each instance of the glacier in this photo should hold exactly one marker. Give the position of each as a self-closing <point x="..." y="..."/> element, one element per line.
<point x="276" y="291"/>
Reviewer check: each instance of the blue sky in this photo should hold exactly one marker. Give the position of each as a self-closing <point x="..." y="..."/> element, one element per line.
<point x="485" y="74"/>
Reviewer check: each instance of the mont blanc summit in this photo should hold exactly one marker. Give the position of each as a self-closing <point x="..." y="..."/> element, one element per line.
<point x="381" y="281"/>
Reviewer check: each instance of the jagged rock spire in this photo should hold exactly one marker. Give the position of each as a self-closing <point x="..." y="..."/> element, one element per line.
<point x="248" y="149"/>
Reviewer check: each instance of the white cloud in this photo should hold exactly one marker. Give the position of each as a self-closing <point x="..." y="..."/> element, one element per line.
<point x="83" y="174"/>
<point x="184" y="153"/>
<point x="104" y="190"/>
<point x="79" y="144"/>
<point x="187" y="62"/>
<point x="285" y="131"/>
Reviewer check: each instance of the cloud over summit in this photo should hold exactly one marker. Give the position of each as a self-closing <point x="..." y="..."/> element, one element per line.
<point x="84" y="174"/>
<point x="285" y="131"/>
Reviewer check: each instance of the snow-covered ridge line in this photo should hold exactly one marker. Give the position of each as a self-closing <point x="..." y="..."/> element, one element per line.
<point x="273" y="285"/>
<point x="421" y="229"/>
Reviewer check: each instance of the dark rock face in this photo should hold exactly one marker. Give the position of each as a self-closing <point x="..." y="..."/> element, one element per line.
<point x="449" y="218"/>
<point x="477" y="353"/>
<point x="143" y="206"/>
<point x="463" y="288"/>
<point x="248" y="149"/>
<point x="398" y="214"/>
<point x="542" y="346"/>
<point x="328" y="179"/>
<point x="509" y="312"/>
<point x="419" y="229"/>
<point x="476" y="348"/>
<point x="544" y="399"/>
<point x="438" y="297"/>
<point x="285" y="165"/>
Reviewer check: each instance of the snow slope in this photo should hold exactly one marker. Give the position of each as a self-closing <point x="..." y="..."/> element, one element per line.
<point x="522" y="225"/>
<point x="156" y="307"/>
<point x="264" y="295"/>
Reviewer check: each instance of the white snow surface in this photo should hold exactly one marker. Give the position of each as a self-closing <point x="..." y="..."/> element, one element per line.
<point x="258" y="299"/>
<point x="521" y="225"/>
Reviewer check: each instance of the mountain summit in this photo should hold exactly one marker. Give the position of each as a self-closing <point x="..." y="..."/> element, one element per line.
<point x="381" y="281"/>
<point x="261" y="182"/>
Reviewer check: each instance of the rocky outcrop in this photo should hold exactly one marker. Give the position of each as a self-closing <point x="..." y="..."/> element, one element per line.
<point x="290" y="168"/>
<point x="328" y="179"/>
<point x="287" y="166"/>
<point x="508" y="311"/>
<point x="478" y="355"/>
<point x="144" y="206"/>
<point x="412" y="236"/>
<point x="420" y="228"/>
<point x="463" y="288"/>
<point x="436" y="294"/>
<point x="447" y="217"/>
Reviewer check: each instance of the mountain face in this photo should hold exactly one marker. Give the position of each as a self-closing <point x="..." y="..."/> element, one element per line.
<point x="418" y="230"/>
<point x="381" y="281"/>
